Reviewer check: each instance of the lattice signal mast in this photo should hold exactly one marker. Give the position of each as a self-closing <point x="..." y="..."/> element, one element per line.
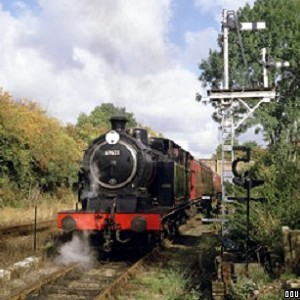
<point x="226" y="96"/>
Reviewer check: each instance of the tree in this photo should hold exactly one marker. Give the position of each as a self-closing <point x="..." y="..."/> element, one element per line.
<point x="91" y="126"/>
<point x="278" y="165"/>
<point x="34" y="149"/>
<point x="280" y="119"/>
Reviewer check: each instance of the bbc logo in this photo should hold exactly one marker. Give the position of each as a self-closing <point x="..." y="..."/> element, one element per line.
<point x="292" y="294"/>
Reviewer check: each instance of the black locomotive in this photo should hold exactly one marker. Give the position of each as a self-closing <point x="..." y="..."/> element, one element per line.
<point x="129" y="184"/>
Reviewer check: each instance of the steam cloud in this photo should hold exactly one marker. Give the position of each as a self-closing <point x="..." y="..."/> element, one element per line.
<point x="78" y="251"/>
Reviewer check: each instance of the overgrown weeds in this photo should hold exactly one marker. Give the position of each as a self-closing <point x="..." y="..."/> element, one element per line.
<point x="47" y="207"/>
<point x="171" y="285"/>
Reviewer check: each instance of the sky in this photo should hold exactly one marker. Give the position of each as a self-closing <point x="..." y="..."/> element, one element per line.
<point x="71" y="56"/>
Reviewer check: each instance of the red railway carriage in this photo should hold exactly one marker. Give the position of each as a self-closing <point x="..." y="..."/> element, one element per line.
<point x="217" y="185"/>
<point x="205" y="187"/>
<point x="201" y="180"/>
<point x="130" y="185"/>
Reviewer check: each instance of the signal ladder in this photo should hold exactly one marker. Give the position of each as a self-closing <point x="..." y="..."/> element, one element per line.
<point x="227" y="148"/>
<point x="227" y="159"/>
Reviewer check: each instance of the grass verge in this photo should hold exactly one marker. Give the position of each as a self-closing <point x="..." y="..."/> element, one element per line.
<point x="47" y="208"/>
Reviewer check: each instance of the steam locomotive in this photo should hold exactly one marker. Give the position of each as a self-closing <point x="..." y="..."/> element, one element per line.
<point x="131" y="185"/>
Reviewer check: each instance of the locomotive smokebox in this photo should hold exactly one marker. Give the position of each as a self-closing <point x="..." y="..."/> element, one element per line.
<point x="118" y="123"/>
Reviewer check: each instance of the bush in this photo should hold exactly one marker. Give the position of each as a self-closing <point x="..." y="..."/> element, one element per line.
<point x="35" y="150"/>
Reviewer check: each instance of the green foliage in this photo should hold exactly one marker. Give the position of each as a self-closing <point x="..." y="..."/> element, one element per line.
<point x="258" y="285"/>
<point x="170" y="285"/>
<point x="281" y="39"/>
<point x="281" y="174"/>
<point x="35" y="150"/>
<point x="278" y="165"/>
<point x="243" y="289"/>
<point x="101" y="114"/>
<point x="254" y="147"/>
<point x="89" y="127"/>
<point x="247" y="287"/>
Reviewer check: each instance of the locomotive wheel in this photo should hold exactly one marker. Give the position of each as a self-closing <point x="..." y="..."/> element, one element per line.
<point x="145" y="242"/>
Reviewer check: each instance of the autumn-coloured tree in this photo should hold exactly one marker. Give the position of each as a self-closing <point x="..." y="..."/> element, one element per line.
<point x="37" y="151"/>
<point x="34" y="148"/>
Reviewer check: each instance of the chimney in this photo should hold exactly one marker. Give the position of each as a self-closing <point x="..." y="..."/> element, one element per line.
<point x="118" y="123"/>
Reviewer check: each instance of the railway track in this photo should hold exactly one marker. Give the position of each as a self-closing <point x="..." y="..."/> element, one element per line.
<point x="19" y="241"/>
<point x="105" y="280"/>
<point x="27" y="228"/>
<point x="72" y="282"/>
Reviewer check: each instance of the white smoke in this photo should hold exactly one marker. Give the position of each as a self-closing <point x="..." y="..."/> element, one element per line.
<point x="78" y="251"/>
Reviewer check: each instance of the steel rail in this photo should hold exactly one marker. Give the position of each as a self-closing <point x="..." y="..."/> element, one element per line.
<point x="26" y="227"/>
<point x="108" y="292"/>
<point x="105" y="293"/>
<point x="21" y="294"/>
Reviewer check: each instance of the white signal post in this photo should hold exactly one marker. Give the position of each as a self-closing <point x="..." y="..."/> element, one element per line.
<point x="227" y="96"/>
<point x="265" y="73"/>
<point x="270" y="64"/>
<point x="225" y="51"/>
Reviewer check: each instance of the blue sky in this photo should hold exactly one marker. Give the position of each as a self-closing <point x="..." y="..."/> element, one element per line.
<point x="16" y="7"/>
<point x="71" y="56"/>
<point x="188" y="18"/>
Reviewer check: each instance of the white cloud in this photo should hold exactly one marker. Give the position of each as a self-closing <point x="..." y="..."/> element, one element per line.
<point x="113" y="30"/>
<point x="199" y="43"/>
<point x="72" y="56"/>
